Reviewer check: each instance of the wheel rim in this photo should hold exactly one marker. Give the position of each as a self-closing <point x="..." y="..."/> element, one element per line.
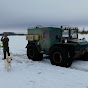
<point x="57" y="57"/>
<point x="31" y="53"/>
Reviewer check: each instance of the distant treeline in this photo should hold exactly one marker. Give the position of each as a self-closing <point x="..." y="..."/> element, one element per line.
<point x="21" y="34"/>
<point x="83" y="32"/>
<point x="11" y="34"/>
<point x="17" y="35"/>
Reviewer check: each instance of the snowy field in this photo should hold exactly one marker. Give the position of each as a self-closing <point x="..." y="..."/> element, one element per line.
<point x="26" y="73"/>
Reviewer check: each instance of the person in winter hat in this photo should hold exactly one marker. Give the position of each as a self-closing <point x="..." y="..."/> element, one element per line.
<point x="5" y="41"/>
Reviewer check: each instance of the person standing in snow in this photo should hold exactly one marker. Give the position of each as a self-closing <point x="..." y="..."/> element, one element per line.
<point x="5" y="41"/>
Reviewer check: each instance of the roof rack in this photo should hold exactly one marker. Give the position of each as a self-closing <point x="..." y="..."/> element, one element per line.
<point x="64" y="27"/>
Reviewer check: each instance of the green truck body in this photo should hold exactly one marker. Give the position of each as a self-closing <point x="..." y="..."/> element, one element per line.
<point x="54" y="41"/>
<point x="46" y="37"/>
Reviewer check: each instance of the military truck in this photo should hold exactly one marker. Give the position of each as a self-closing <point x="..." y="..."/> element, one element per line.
<point x="60" y="43"/>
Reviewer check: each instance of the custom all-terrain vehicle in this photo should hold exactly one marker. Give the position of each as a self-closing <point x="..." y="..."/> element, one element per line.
<point x="60" y="43"/>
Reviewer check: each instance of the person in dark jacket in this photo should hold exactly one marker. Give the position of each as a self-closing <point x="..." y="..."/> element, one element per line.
<point x="5" y="41"/>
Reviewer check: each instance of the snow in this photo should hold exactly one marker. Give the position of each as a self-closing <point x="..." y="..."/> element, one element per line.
<point x="26" y="73"/>
<point x="17" y="44"/>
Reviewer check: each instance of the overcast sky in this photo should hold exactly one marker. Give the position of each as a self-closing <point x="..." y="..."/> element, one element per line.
<point x="25" y="13"/>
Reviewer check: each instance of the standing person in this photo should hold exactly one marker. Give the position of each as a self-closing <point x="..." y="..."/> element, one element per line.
<point x="5" y="41"/>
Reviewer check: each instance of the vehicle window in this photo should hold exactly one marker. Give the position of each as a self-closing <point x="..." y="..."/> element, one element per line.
<point x="54" y="33"/>
<point x="45" y="34"/>
<point x="74" y="33"/>
<point x="65" y="33"/>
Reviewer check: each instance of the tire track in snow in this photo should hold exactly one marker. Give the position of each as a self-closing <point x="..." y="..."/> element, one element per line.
<point x="79" y="69"/>
<point x="24" y="56"/>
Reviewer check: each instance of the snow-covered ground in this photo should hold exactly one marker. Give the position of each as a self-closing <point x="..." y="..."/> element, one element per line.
<point x="26" y="73"/>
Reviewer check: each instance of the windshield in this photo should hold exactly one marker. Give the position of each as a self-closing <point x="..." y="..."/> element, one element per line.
<point x="73" y="33"/>
<point x="65" y="33"/>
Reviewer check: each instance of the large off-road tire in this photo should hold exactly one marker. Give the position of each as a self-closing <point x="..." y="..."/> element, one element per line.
<point x="85" y="56"/>
<point x="70" y="58"/>
<point x="69" y="62"/>
<point x="33" y="53"/>
<point x="59" y="56"/>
